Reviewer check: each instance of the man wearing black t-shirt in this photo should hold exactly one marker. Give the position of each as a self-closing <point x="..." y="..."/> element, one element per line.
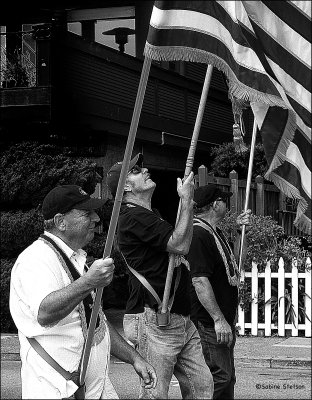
<point x="145" y="240"/>
<point x="215" y="279"/>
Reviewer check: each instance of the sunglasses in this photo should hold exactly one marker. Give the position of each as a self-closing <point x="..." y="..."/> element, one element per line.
<point x="220" y="199"/>
<point x="135" y="170"/>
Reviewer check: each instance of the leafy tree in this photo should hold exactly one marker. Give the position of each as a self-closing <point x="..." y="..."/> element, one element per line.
<point x="227" y="159"/>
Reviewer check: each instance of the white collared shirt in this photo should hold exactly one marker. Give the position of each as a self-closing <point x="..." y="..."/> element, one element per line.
<point x="36" y="273"/>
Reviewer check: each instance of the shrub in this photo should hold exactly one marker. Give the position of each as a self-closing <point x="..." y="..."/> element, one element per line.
<point x="7" y="324"/>
<point x="18" y="230"/>
<point x="266" y="241"/>
<point x="29" y="170"/>
<point x="226" y="159"/>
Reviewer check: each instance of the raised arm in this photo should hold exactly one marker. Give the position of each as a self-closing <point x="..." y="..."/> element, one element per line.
<point x="243" y="219"/>
<point x="180" y="240"/>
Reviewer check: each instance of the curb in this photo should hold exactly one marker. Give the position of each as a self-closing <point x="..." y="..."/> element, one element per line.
<point x="10" y="357"/>
<point x="300" y="363"/>
<point x="287" y="363"/>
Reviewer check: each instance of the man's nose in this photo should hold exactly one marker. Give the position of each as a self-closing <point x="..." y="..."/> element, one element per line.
<point x="95" y="217"/>
<point x="144" y="170"/>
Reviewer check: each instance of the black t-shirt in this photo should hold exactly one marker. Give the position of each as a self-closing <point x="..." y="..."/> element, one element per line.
<point x="206" y="261"/>
<point x="142" y="237"/>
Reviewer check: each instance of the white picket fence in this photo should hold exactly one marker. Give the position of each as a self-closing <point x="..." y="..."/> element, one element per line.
<point x="268" y="326"/>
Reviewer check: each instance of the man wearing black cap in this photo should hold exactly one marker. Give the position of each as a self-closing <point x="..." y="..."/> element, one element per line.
<point x="215" y="281"/>
<point x="145" y="241"/>
<point x="51" y="298"/>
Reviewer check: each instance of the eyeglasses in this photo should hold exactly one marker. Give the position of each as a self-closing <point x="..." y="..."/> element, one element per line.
<point x="135" y="170"/>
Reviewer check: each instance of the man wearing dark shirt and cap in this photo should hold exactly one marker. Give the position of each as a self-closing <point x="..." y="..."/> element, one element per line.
<point x="215" y="281"/>
<point x="145" y="240"/>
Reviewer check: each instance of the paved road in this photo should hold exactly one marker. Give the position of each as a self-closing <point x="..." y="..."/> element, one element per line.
<point x="252" y="383"/>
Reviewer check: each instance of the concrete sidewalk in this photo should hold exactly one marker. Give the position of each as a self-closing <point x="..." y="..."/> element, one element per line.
<point x="253" y="351"/>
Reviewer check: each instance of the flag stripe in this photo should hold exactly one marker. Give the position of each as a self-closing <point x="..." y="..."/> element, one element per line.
<point x="295" y="91"/>
<point x="279" y="31"/>
<point x="213" y="46"/>
<point x="291" y="16"/>
<point x="290" y="170"/>
<point x="272" y="130"/>
<point x="283" y="58"/>
<point x="287" y="177"/>
<point x="295" y="157"/>
<point x="257" y="47"/>
<point x="305" y="148"/>
<point x="291" y="174"/>
<point x="280" y="75"/>
<point x="304" y="113"/>
<point x="172" y="42"/>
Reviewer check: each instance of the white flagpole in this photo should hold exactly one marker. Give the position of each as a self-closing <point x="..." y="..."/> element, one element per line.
<point x="188" y="169"/>
<point x="248" y="184"/>
<point x="116" y="209"/>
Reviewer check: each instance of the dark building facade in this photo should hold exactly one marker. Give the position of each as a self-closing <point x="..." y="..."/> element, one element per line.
<point x="83" y="62"/>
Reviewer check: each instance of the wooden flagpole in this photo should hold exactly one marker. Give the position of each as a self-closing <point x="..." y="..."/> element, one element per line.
<point x="248" y="184"/>
<point x="188" y="169"/>
<point x="116" y="209"/>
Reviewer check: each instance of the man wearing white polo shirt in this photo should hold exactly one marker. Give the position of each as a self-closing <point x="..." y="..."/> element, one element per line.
<point x="51" y="298"/>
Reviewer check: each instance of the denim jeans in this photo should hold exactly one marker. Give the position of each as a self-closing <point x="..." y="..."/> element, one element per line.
<point x="174" y="349"/>
<point x="220" y="360"/>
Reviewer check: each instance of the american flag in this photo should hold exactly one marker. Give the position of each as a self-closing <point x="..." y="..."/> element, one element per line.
<point x="264" y="49"/>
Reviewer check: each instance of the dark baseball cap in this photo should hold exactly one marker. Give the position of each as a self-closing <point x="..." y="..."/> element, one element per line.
<point x="64" y="198"/>
<point x="207" y="194"/>
<point x="114" y="173"/>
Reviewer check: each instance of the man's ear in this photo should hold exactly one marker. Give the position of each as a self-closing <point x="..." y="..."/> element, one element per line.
<point x="60" y="222"/>
<point x="127" y="187"/>
<point x="214" y="205"/>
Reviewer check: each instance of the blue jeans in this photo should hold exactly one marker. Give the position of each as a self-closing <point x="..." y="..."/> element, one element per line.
<point x="220" y="360"/>
<point x="174" y="349"/>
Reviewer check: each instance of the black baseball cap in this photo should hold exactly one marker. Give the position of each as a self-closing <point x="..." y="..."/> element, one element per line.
<point x="207" y="194"/>
<point x="114" y="173"/>
<point x="64" y="198"/>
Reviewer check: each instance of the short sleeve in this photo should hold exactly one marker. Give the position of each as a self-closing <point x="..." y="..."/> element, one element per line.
<point x="34" y="277"/>
<point x="201" y="255"/>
